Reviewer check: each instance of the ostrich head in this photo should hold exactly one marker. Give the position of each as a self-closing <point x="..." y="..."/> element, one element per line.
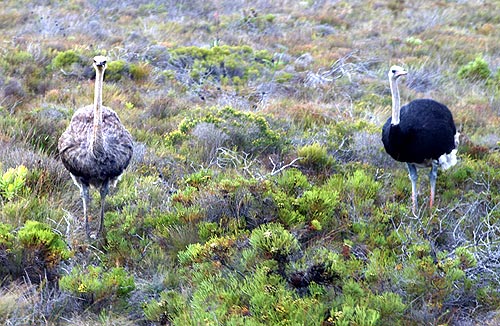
<point x="395" y="72"/>
<point x="100" y="62"/>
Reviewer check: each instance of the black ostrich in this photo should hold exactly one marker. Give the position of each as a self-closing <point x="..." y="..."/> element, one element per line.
<point x="421" y="134"/>
<point x="95" y="147"/>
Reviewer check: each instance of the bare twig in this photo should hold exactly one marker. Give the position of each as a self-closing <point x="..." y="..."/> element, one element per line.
<point x="276" y="171"/>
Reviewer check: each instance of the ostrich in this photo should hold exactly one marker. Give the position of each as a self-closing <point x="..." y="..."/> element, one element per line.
<point x="96" y="147"/>
<point x="422" y="134"/>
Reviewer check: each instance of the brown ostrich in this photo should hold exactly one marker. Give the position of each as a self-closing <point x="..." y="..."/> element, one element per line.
<point x="95" y="148"/>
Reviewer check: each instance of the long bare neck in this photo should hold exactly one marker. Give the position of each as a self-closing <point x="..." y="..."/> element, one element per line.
<point x="97" y="137"/>
<point x="396" y="108"/>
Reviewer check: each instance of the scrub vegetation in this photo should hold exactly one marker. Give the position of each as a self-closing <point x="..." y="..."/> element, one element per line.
<point x="259" y="192"/>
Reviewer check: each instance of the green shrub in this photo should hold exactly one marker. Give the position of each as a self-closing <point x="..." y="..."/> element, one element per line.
<point x="12" y="182"/>
<point x="124" y="233"/>
<point x="115" y="70"/>
<point x="244" y="131"/>
<point x="363" y="189"/>
<point x="65" y="59"/>
<point x="35" y="251"/>
<point x="206" y="230"/>
<point x="216" y="249"/>
<point x="315" y="157"/>
<point x="165" y="309"/>
<point x="274" y="240"/>
<point x="96" y="285"/>
<point x="139" y="71"/>
<point x="489" y="296"/>
<point x="17" y="58"/>
<point x="222" y="64"/>
<point x="359" y="306"/>
<point x="229" y="298"/>
<point x="199" y="179"/>
<point x="355" y="315"/>
<point x="7" y="258"/>
<point x="6" y="237"/>
<point x="475" y="70"/>
<point x="300" y="202"/>
<point x="335" y="265"/>
<point x="39" y="235"/>
<point x="318" y="204"/>
<point x="292" y="182"/>
<point x="270" y="302"/>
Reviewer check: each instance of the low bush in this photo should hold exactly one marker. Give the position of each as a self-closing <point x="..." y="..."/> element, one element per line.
<point x="221" y="64"/>
<point x="246" y="131"/>
<point x="115" y="70"/>
<point x="315" y="157"/>
<point x="475" y="70"/>
<point x="65" y="59"/>
<point x="98" y="287"/>
<point x="13" y="182"/>
<point x="274" y="240"/>
<point x="35" y="251"/>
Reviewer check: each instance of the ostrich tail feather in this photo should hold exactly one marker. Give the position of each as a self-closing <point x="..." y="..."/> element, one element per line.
<point x="446" y="161"/>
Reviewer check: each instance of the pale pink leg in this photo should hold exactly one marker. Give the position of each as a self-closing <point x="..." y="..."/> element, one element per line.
<point x="433" y="178"/>
<point x="412" y="169"/>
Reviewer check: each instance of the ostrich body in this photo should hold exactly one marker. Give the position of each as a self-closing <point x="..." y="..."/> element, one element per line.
<point x="422" y="134"/>
<point x="95" y="148"/>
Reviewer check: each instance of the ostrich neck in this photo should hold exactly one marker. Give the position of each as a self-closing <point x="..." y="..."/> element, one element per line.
<point x="395" y="102"/>
<point x="97" y="137"/>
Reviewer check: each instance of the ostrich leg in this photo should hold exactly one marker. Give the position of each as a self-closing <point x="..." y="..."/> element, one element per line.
<point x="86" y="205"/>
<point x="412" y="169"/>
<point x="104" y="192"/>
<point x="432" y="178"/>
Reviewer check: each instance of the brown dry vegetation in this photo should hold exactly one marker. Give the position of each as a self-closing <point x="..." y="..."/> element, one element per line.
<point x="258" y="166"/>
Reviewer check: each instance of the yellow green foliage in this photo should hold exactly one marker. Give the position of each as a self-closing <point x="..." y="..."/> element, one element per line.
<point x="6" y="237"/>
<point x="12" y="182"/>
<point x="139" y="71"/>
<point x="65" y="59"/>
<point x="95" y="284"/>
<point x="475" y="70"/>
<point x="247" y="131"/>
<point x="274" y="240"/>
<point x="115" y="70"/>
<point x="315" y="157"/>
<point x="217" y="219"/>
<point x="222" y="64"/>
<point x="36" y="235"/>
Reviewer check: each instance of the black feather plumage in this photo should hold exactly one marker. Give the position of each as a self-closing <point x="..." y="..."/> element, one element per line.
<point x="425" y="132"/>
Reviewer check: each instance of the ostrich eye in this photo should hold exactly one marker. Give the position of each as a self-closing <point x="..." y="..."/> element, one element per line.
<point x="393" y="71"/>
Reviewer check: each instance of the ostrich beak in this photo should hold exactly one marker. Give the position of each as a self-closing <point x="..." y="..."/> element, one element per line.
<point x="400" y="73"/>
<point x="100" y="60"/>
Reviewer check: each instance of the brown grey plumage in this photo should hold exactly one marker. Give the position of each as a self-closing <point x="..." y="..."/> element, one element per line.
<point x="95" y="148"/>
